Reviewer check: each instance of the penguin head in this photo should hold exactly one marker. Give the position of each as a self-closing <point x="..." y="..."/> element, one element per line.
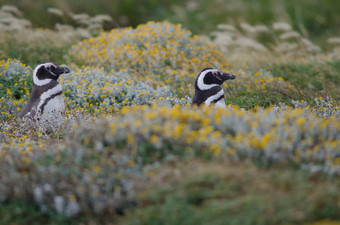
<point x="46" y="72"/>
<point x="210" y="77"/>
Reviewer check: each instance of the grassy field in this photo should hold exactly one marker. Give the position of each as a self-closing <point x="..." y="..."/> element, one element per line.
<point x="131" y="149"/>
<point x="317" y="19"/>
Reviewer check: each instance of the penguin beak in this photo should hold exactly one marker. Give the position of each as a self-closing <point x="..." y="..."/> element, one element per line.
<point x="60" y="70"/>
<point x="227" y="76"/>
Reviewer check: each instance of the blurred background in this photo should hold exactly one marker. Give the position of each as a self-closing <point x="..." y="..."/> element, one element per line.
<point x="315" y="19"/>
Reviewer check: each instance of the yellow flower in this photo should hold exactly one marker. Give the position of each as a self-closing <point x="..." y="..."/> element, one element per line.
<point x="154" y="139"/>
<point x="96" y="169"/>
<point x="215" y="149"/>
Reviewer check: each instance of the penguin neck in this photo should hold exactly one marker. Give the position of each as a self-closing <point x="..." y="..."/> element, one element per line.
<point x="50" y="84"/>
<point x="39" y="90"/>
<point x="210" y="91"/>
<point x="210" y="95"/>
<point x="215" y="98"/>
<point x="40" y="83"/>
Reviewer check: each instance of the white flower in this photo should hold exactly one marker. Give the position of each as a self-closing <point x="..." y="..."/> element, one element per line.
<point x="250" y="43"/>
<point x="59" y="204"/>
<point x="334" y="40"/>
<point x="82" y="19"/>
<point x="290" y="35"/>
<point x="260" y="28"/>
<point x="11" y="9"/>
<point x="38" y="194"/>
<point x="223" y="39"/>
<point x="63" y="27"/>
<point x="82" y="16"/>
<point x="287" y="47"/>
<point x="226" y="27"/>
<point x="314" y="49"/>
<point x="47" y="188"/>
<point x="282" y="26"/>
<point x="55" y="11"/>
<point x="306" y="41"/>
<point x="72" y="208"/>
<point x="101" y="18"/>
<point x="4" y="14"/>
<point x="247" y="27"/>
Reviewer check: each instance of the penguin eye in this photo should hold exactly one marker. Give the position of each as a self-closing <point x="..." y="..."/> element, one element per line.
<point x="215" y="73"/>
<point x="50" y="68"/>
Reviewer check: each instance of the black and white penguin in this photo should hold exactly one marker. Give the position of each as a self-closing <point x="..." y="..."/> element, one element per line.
<point x="46" y="99"/>
<point x="208" y="87"/>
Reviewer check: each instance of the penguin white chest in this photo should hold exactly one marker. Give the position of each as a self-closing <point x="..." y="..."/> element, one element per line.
<point x="55" y="106"/>
<point x="221" y="103"/>
<point x="218" y="99"/>
<point x="51" y="104"/>
<point x="218" y="104"/>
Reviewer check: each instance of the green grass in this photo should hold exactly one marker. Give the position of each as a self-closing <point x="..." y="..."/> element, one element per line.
<point x="34" y="51"/>
<point x="309" y="81"/>
<point x="249" y="99"/>
<point x="33" y="55"/>
<point x="313" y="79"/>
<point x="240" y="194"/>
<point x="22" y="212"/>
<point x="212" y="193"/>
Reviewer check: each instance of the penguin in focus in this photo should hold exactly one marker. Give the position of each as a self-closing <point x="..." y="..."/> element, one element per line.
<point x="46" y="100"/>
<point x="208" y="89"/>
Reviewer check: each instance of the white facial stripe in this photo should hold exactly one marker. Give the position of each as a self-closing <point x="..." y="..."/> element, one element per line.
<point x="214" y="97"/>
<point x="36" y="80"/>
<point x="48" y="94"/>
<point x="200" y="82"/>
<point x="48" y="64"/>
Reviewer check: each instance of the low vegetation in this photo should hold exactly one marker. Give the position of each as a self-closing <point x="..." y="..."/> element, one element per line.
<point x="133" y="151"/>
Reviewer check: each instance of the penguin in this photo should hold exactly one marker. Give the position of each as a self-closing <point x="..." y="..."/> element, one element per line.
<point x="208" y="89"/>
<point x="46" y="100"/>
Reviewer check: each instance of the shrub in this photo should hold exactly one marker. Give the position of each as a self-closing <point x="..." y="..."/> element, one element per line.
<point x="92" y="90"/>
<point x="95" y="166"/>
<point x="270" y="136"/>
<point x="68" y="180"/>
<point x="154" y="51"/>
